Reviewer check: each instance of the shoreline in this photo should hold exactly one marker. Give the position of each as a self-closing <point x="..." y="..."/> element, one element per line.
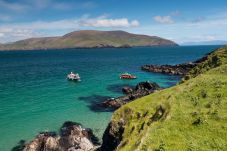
<point x="199" y="59"/>
<point x="112" y="47"/>
<point x="153" y="89"/>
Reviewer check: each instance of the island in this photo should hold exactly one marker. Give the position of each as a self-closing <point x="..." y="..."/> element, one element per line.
<point x="88" y="39"/>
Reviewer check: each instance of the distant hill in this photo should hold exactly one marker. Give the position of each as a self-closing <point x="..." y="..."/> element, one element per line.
<point x="215" y="42"/>
<point x="88" y="39"/>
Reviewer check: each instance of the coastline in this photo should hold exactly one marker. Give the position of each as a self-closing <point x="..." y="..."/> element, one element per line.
<point x="96" y="47"/>
<point x="63" y="100"/>
<point x="135" y="124"/>
<point x="109" y="127"/>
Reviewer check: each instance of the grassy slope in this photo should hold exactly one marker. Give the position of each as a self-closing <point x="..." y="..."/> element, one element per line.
<point x="87" y="38"/>
<point x="194" y="117"/>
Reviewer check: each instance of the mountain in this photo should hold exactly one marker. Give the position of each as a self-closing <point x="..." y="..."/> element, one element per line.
<point x="189" y="116"/>
<point x="88" y="39"/>
<point x="215" y="42"/>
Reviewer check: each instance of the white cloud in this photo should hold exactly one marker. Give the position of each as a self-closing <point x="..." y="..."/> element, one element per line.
<point x="135" y="23"/>
<point x="32" y="5"/>
<point x="101" y="21"/>
<point x="5" y="29"/>
<point x="164" y="19"/>
<point x="18" y="31"/>
<point x="122" y="22"/>
<point x="10" y="34"/>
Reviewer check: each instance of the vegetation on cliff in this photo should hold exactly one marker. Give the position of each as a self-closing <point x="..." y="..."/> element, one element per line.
<point x="88" y="39"/>
<point x="189" y="116"/>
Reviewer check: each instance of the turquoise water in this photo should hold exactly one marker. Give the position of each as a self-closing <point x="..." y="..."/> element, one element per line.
<point x="35" y="95"/>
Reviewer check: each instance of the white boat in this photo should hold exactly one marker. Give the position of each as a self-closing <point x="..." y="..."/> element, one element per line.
<point x="73" y="77"/>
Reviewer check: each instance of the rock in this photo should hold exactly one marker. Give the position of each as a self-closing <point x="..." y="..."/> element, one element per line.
<point x="127" y="90"/>
<point x="51" y="143"/>
<point x="125" y="46"/>
<point x="112" y="136"/>
<point x="147" y="86"/>
<point x="180" y="69"/>
<point x="72" y="138"/>
<point x="112" y="103"/>
<point x="141" y="89"/>
<point x="40" y="142"/>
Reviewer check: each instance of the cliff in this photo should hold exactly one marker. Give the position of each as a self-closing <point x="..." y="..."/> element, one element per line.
<point x="188" y="116"/>
<point x="88" y="39"/>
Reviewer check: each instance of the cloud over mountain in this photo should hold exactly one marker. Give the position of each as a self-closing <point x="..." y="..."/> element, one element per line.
<point x="163" y="19"/>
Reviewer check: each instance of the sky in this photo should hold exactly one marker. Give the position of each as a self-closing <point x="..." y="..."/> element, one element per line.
<point x="178" y="20"/>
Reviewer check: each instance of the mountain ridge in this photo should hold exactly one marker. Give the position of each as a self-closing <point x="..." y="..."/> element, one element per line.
<point x="88" y="39"/>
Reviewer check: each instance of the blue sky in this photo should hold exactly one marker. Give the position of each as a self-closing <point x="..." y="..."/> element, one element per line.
<point x="178" y="20"/>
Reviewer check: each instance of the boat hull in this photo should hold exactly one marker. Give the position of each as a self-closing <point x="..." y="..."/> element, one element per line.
<point x="128" y="78"/>
<point x="70" y="79"/>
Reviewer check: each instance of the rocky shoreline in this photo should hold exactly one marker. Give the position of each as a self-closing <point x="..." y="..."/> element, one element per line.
<point x="72" y="137"/>
<point x="141" y="89"/>
<point x="179" y="69"/>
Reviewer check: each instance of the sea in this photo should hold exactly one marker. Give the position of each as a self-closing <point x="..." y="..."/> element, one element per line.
<point x="35" y="95"/>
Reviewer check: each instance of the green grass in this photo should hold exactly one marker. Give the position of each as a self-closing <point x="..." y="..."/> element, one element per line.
<point x="192" y="115"/>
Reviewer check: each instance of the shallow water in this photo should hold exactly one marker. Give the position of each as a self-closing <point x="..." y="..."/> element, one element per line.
<point x="35" y="95"/>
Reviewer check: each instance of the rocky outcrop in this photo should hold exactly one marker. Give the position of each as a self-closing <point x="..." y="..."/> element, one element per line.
<point x="179" y="69"/>
<point x="141" y="89"/>
<point x="72" y="137"/>
<point x="127" y="90"/>
<point x="112" y="136"/>
<point x="43" y="142"/>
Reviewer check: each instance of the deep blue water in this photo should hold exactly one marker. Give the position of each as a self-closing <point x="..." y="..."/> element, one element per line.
<point x="35" y="95"/>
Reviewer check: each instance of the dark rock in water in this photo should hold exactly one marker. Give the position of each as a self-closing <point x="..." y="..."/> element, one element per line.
<point x="115" y="103"/>
<point x="127" y="90"/>
<point x="112" y="136"/>
<point x="72" y="138"/>
<point x="141" y="89"/>
<point x="179" y="69"/>
<point x="147" y="86"/>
